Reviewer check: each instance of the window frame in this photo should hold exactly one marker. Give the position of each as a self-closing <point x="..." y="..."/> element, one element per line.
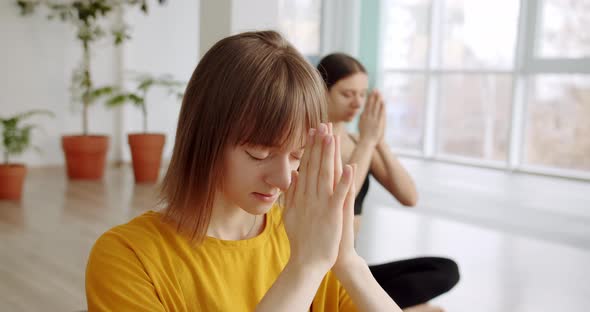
<point x="525" y="66"/>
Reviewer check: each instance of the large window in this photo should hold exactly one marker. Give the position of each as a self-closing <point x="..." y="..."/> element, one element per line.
<point x="563" y="29"/>
<point x="558" y="122"/>
<point x="502" y="83"/>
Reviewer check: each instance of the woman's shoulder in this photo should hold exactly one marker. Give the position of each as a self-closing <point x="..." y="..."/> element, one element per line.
<point x="149" y="222"/>
<point x="142" y="232"/>
<point x="148" y="234"/>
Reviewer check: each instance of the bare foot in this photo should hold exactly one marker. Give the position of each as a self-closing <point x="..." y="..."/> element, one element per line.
<point x="424" y="308"/>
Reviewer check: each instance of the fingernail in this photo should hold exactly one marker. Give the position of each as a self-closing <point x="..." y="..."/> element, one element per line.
<point x="311" y="132"/>
<point x="322" y="128"/>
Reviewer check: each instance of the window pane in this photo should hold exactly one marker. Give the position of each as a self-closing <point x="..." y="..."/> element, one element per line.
<point x="404" y="99"/>
<point x="558" y="122"/>
<point x="300" y="23"/>
<point x="475" y="116"/>
<point x="405" y="33"/>
<point x="479" y="34"/>
<point x="564" y="29"/>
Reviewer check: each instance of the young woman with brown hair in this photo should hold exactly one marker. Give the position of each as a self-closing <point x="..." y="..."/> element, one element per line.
<point x="412" y="282"/>
<point x="241" y="229"/>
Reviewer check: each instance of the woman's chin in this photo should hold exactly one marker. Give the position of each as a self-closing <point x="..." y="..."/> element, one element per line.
<point x="349" y="118"/>
<point x="259" y="208"/>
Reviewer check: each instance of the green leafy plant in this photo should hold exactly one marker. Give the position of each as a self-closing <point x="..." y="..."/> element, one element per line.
<point x="144" y="83"/>
<point x="16" y="138"/>
<point x="86" y="16"/>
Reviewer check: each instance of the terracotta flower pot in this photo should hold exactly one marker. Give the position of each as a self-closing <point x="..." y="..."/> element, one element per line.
<point x="146" y="152"/>
<point x="85" y="156"/>
<point x="12" y="178"/>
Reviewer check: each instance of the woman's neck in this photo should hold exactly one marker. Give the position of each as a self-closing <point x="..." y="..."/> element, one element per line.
<point x="339" y="128"/>
<point x="230" y="222"/>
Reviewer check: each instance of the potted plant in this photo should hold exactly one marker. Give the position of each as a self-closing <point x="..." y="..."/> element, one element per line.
<point x="146" y="147"/>
<point x="85" y="154"/>
<point x="16" y="139"/>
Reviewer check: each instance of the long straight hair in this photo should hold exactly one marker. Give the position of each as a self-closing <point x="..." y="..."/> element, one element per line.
<point x="252" y="88"/>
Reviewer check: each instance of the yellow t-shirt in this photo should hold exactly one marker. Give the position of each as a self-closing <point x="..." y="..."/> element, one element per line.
<point x="145" y="265"/>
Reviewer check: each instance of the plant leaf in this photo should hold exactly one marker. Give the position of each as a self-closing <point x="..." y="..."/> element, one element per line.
<point x="16" y="139"/>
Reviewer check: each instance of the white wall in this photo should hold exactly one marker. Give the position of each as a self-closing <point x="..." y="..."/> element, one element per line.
<point x="215" y="23"/>
<point x="254" y="15"/>
<point x="36" y="61"/>
<point x="164" y="42"/>
<point x="222" y="18"/>
<point x="37" y="57"/>
<point x="341" y="26"/>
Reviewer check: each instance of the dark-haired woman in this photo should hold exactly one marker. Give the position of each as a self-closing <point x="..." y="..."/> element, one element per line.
<point x="413" y="282"/>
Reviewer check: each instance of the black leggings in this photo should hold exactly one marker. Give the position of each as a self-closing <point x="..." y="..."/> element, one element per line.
<point x="415" y="281"/>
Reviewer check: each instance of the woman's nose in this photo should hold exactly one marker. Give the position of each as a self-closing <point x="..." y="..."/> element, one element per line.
<point x="357" y="102"/>
<point x="279" y="174"/>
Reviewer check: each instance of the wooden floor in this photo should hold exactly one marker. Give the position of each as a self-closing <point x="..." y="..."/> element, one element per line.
<point x="45" y="239"/>
<point x="540" y="207"/>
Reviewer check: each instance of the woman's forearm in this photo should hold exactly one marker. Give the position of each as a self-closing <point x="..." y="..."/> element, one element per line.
<point x="293" y="290"/>
<point x="366" y="294"/>
<point x="361" y="156"/>
<point x="399" y="182"/>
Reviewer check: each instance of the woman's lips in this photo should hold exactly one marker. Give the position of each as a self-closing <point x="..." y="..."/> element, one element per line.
<point x="265" y="197"/>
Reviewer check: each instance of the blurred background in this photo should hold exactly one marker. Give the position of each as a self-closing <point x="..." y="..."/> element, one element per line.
<point x="488" y="107"/>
